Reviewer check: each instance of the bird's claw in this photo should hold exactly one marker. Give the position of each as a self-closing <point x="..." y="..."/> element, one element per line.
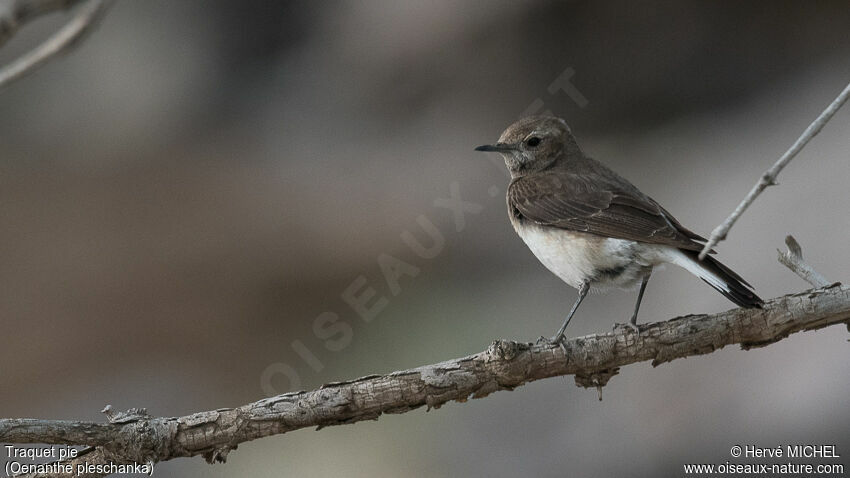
<point x="559" y="340"/>
<point x="630" y="325"/>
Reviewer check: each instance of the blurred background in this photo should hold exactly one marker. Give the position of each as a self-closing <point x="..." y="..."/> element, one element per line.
<point x="186" y="192"/>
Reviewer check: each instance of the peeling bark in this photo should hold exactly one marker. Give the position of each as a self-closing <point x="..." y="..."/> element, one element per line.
<point x="135" y="436"/>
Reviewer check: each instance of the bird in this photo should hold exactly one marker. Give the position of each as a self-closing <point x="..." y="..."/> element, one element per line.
<point x="591" y="227"/>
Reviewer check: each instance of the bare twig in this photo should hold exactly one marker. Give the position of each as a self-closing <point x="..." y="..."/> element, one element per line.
<point x="16" y="13"/>
<point x="135" y="437"/>
<point x="793" y="259"/>
<point x="769" y="177"/>
<point x="68" y="36"/>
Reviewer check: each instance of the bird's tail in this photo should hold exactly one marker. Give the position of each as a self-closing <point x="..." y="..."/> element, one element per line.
<point x="722" y="278"/>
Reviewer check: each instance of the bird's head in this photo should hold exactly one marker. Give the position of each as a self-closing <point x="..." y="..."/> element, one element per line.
<point x="533" y="144"/>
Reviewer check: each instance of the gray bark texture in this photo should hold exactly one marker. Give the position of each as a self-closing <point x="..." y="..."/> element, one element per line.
<point x="135" y="436"/>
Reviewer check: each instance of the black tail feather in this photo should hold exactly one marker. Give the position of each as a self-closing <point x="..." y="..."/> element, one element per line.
<point x="739" y="291"/>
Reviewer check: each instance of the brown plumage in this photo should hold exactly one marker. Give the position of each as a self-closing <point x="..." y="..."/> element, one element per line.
<point x="568" y="198"/>
<point x="590" y="226"/>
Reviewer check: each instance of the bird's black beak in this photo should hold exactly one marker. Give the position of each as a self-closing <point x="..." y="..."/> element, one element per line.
<point x="498" y="147"/>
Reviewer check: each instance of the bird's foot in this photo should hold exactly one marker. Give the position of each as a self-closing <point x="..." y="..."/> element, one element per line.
<point x="630" y="325"/>
<point x="559" y="340"/>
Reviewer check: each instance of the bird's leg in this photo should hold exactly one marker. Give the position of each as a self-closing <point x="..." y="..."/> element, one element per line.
<point x="633" y="321"/>
<point x="582" y="292"/>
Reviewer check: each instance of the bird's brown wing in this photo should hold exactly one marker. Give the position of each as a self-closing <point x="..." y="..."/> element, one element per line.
<point x="570" y="201"/>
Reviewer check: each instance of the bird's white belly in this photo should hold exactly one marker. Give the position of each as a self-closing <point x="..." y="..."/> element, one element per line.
<point x="577" y="257"/>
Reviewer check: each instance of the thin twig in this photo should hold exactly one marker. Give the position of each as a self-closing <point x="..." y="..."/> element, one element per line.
<point x="69" y="35"/>
<point x="769" y="177"/>
<point x="793" y="259"/>
<point x="136" y="437"/>
<point x="16" y="13"/>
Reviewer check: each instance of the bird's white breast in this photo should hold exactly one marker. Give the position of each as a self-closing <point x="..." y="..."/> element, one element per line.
<point x="576" y="257"/>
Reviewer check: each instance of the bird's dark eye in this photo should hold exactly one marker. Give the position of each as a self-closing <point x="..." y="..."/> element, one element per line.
<point x="532" y="141"/>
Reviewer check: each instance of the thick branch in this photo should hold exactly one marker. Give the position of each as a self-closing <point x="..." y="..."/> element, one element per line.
<point x="13" y="14"/>
<point x="769" y="177"/>
<point x="505" y="365"/>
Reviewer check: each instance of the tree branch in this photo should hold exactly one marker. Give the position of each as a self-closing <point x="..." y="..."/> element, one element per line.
<point x="793" y="259"/>
<point x="769" y="177"/>
<point x="137" y="437"/>
<point x="13" y="14"/>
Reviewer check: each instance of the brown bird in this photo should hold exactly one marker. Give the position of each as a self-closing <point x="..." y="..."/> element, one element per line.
<point x="591" y="227"/>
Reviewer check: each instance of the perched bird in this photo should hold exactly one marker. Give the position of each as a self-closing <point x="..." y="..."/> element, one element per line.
<point x="591" y="227"/>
